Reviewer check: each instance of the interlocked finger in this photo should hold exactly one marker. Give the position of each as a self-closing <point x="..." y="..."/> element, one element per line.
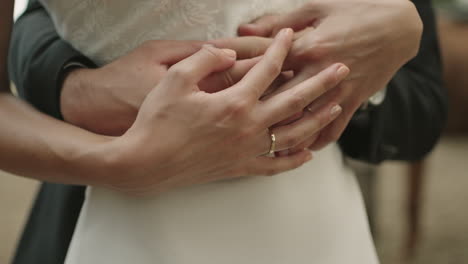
<point x="263" y="74"/>
<point x="221" y="80"/>
<point x="200" y="65"/>
<point x="292" y="101"/>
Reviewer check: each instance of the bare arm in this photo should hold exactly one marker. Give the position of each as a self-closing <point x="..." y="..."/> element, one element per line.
<point x="33" y="144"/>
<point x="43" y="148"/>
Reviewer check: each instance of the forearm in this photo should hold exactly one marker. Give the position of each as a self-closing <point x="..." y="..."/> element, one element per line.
<point x="39" y="147"/>
<point x="37" y="59"/>
<point x="35" y="145"/>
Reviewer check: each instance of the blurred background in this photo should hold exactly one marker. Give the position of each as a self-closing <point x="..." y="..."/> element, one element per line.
<point x="418" y="212"/>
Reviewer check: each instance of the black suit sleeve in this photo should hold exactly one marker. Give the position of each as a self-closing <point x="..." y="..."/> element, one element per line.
<point x="37" y="57"/>
<point x="409" y="122"/>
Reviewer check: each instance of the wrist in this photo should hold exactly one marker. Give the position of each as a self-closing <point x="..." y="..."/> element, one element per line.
<point x="74" y="93"/>
<point x="95" y="161"/>
<point x="96" y="100"/>
<point x="123" y="164"/>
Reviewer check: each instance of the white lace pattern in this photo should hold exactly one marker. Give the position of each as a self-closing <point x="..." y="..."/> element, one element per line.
<point x="104" y="36"/>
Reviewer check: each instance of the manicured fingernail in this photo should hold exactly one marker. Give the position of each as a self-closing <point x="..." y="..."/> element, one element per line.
<point x="335" y="111"/>
<point x="231" y="53"/>
<point x="342" y="72"/>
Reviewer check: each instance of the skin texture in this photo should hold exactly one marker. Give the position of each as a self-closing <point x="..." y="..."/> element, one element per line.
<point x="375" y="46"/>
<point x="106" y="100"/>
<point x="226" y="140"/>
<point x="239" y="124"/>
<point x="373" y="38"/>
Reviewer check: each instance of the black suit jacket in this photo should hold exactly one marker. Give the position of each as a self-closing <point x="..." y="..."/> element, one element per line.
<point x="405" y="127"/>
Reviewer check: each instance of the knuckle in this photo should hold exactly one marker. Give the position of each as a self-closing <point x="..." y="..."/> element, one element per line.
<point x="274" y="68"/>
<point x="297" y="102"/>
<point x="291" y="141"/>
<point x="313" y="48"/>
<point x="251" y="95"/>
<point x="212" y="52"/>
<point x="227" y="78"/>
<point x="236" y="109"/>
<point x="179" y="73"/>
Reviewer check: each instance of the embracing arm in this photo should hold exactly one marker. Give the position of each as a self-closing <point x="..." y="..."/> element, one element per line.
<point x="37" y="59"/>
<point x="37" y="146"/>
<point x="410" y="120"/>
<point x="135" y="162"/>
<point x="32" y="144"/>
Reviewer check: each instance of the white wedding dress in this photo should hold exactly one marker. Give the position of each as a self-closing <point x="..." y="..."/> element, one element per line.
<point x="313" y="214"/>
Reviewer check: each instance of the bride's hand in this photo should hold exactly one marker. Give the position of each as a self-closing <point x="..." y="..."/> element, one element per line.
<point x="184" y="136"/>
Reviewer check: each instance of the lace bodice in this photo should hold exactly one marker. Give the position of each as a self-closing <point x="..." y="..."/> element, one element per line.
<point x="105" y="36"/>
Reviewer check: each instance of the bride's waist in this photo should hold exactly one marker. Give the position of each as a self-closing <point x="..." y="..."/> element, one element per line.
<point x="324" y="176"/>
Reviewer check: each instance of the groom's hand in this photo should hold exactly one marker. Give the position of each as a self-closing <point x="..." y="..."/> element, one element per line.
<point x="106" y="100"/>
<point x="373" y="38"/>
